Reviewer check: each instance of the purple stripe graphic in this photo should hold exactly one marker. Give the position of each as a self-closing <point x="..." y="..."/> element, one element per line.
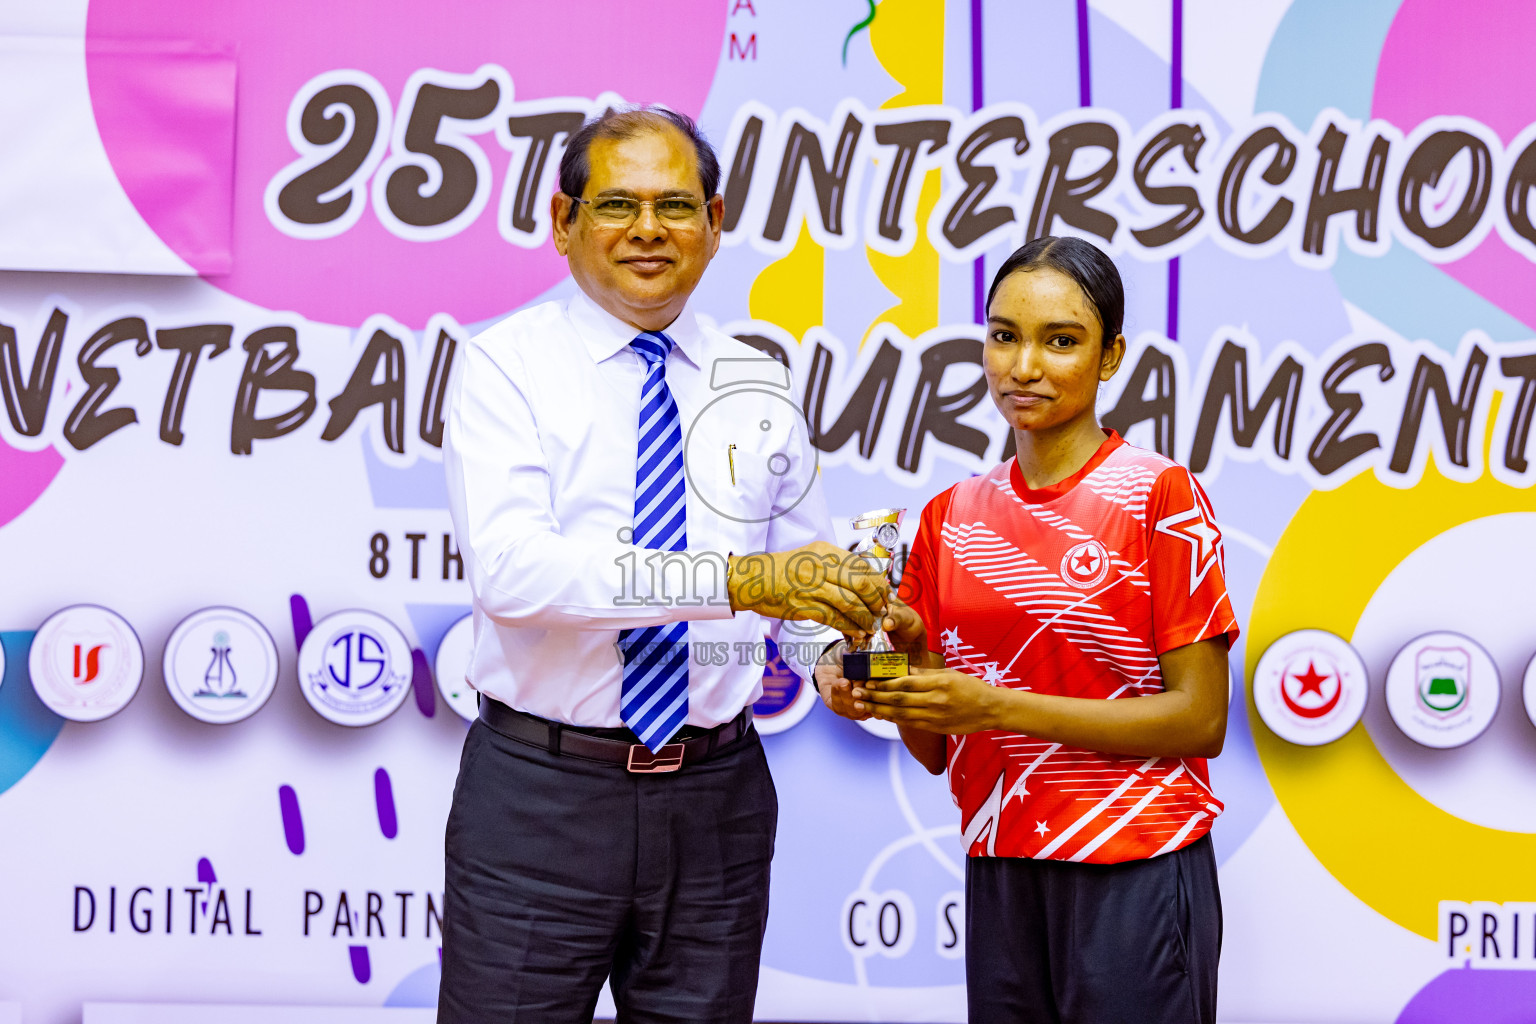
<point x="976" y="67"/>
<point x="298" y="609"/>
<point x="1176" y="90"/>
<point x="1175" y="101"/>
<point x="293" y="821"/>
<point x="979" y="288"/>
<point x="361" y="969"/>
<point x="384" y="797"/>
<point x="1084" y="76"/>
<point x="421" y="683"/>
<point x="1173" y="299"/>
<point x="205" y="875"/>
<point x="979" y="269"/>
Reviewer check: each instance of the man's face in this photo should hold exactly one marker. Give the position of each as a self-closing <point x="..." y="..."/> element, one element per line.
<point x="644" y="271"/>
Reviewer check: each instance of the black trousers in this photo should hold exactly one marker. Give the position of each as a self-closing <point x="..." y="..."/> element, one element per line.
<point x="561" y="872"/>
<point x="1050" y="942"/>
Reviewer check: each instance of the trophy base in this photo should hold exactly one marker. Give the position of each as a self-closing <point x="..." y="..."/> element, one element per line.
<point x="862" y="665"/>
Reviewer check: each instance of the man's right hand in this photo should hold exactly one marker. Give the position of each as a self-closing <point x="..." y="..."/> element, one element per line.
<point x="820" y="582"/>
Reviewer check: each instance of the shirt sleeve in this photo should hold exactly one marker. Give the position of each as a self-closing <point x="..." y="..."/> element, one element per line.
<point x="1186" y="564"/>
<point x="522" y="570"/>
<point x="919" y="586"/>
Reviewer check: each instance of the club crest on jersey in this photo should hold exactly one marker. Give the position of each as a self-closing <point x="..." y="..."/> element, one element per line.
<point x="1085" y="565"/>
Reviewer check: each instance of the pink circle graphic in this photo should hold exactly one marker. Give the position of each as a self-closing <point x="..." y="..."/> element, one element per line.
<point x="1448" y="57"/>
<point x="169" y="141"/>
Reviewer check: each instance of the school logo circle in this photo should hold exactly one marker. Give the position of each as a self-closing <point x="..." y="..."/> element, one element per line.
<point x="86" y="663"/>
<point x="786" y="698"/>
<point x="355" y="668"/>
<point x="220" y="665"/>
<point x="1528" y="690"/>
<point x="451" y="668"/>
<point x="1442" y="690"/>
<point x="1368" y="545"/>
<point x="1085" y="565"/>
<point x="1310" y="687"/>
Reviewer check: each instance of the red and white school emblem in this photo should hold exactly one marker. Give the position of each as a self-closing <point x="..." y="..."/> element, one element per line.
<point x="1085" y="565"/>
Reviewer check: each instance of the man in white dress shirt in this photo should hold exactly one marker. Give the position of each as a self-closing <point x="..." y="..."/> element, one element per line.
<point x="614" y="494"/>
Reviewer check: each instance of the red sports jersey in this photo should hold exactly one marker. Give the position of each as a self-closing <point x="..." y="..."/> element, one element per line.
<point x="1073" y="590"/>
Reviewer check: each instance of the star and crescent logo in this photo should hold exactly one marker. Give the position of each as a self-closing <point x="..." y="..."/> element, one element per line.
<point x="1085" y="565"/>
<point x="1310" y="687"/>
<point x="1312" y="681"/>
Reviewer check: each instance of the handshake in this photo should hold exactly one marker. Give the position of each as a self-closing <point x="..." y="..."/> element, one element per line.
<point x="820" y="583"/>
<point x="848" y="591"/>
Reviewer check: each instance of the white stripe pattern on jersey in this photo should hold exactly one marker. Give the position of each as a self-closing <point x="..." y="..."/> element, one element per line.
<point x="1137" y="578"/>
<point x="1115" y="800"/>
<point x="1026" y="583"/>
<point x="962" y="657"/>
<point x="1126" y="486"/>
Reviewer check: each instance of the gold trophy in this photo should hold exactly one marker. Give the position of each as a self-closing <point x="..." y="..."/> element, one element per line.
<point x="875" y="658"/>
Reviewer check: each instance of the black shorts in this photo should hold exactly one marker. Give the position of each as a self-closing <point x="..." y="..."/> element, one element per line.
<point x="1060" y="943"/>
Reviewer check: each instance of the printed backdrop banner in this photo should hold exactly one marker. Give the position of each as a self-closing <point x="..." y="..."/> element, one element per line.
<point x="245" y="244"/>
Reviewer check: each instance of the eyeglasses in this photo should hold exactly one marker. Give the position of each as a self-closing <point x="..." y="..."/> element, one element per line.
<point x="622" y="211"/>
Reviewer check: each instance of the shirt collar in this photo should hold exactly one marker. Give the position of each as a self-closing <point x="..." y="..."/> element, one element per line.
<point x="605" y="334"/>
<point x="1112" y="440"/>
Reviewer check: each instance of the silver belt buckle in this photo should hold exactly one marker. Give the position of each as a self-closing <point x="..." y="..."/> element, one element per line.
<point x="642" y="762"/>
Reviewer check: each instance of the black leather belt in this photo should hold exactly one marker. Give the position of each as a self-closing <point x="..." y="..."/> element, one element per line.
<point x="572" y="741"/>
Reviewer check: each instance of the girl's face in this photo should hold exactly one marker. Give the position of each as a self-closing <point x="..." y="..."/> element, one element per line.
<point x="1043" y="358"/>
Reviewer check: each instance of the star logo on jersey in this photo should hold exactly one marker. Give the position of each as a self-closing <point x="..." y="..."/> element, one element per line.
<point x="1085" y="565"/>
<point x="1041" y="828"/>
<point x="992" y="674"/>
<point x="951" y="639"/>
<point x="1204" y="541"/>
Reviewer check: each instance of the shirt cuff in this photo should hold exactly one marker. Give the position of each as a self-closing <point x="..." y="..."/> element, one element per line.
<point x="800" y="649"/>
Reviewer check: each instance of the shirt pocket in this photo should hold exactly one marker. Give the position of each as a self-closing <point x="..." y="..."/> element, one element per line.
<point x="741" y="461"/>
<point x="739" y="497"/>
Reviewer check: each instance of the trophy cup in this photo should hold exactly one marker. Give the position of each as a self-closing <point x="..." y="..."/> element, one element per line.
<point x="875" y="658"/>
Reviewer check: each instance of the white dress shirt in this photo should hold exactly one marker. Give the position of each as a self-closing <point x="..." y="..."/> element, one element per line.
<point x="542" y="429"/>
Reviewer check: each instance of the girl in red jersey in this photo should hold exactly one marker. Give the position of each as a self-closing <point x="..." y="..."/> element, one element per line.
<point x="1069" y="616"/>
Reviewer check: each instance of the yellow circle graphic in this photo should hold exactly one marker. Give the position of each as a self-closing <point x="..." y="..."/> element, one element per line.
<point x="1365" y="825"/>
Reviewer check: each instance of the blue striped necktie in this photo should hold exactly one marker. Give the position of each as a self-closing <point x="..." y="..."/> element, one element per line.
<point x="654" y="698"/>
